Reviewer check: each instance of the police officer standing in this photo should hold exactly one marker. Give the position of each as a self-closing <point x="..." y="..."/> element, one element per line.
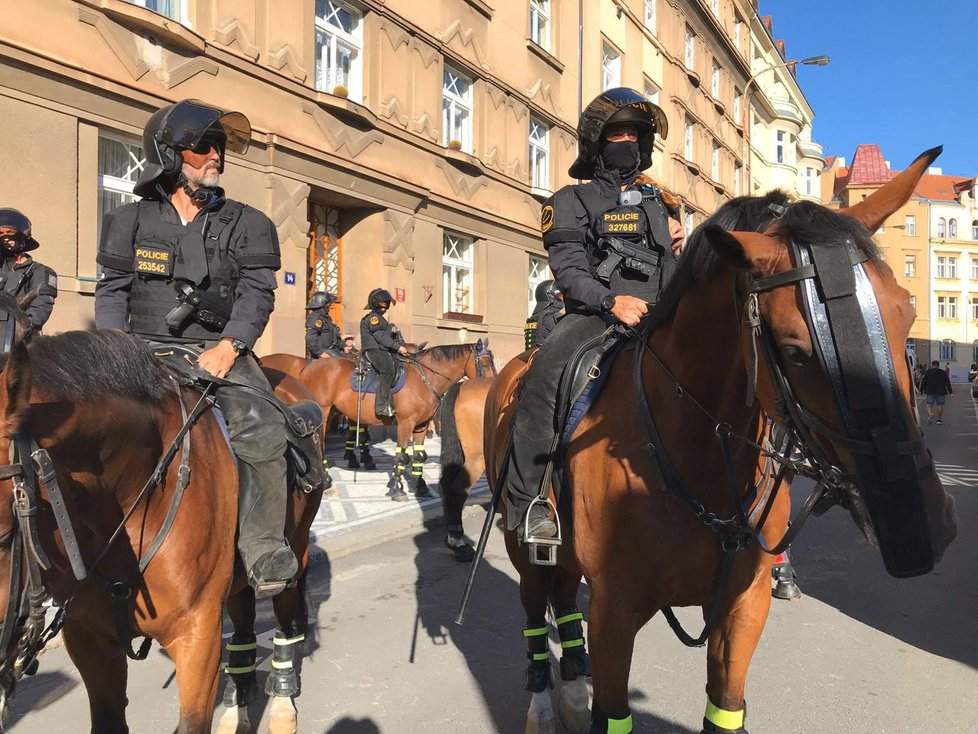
<point x="322" y="335"/>
<point x="549" y="306"/>
<point x="20" y="273"/>
<point x="186" y="237"/>
<point x="611" y="250"/>
<point x="379" y="341"/>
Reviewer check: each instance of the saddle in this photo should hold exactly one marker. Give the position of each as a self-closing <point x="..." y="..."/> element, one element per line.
<point x="303" y="420"/>
<point x="364" y="376"/>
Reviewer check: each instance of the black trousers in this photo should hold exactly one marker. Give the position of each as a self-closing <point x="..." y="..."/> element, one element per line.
<point x="382" y="361"/>
<point x="535" y="422"/>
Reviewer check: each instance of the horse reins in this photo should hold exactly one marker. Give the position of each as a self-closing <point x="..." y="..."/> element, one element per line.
<point x="421" y="367"/>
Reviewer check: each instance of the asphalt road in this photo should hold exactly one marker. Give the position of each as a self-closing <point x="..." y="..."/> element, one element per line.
<point x="861" y="652"/>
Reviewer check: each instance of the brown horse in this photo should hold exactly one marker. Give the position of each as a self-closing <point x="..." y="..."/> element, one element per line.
<point x="105" y="410"/>
<point x="429" y="375"/>
<point x="659" y="473"/>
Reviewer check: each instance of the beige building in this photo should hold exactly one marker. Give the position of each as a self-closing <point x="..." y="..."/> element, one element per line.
<point x="931" y="244"/>
<point x="396" y="143"/>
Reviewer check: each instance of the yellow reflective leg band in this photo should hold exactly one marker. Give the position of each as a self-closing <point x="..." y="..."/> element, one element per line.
<point x="569" y="618"/>
<point x="579" y="642"/>
<point x="231" y="647"/>
<point x="536" y="631"/>
<point x="239" y="671"/>
<point x="732" y="720"/>
<point x="288" y="641"/>
<point x="541" y="656"/>
<point x="281" y="665"/>
<point x="620" y="726"/>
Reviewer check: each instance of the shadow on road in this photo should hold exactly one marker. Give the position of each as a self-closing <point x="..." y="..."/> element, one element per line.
<point x="353" y="726"/>
<point x="37" y="692"/>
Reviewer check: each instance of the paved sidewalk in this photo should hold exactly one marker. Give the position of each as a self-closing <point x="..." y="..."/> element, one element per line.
<point x="363" y="514"/>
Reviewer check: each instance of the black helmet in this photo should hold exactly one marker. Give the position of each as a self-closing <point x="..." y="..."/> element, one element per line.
<point x="182" y="126"/>
<point x="615" y="107"/>
<point x="546" y="292"/>
<point x="21" y="240"/>
<point x="378" y="296"/>
<point x="321" y="299"/>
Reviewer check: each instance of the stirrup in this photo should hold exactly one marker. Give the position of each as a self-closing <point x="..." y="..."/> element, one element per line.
<point x="543" y="551"/>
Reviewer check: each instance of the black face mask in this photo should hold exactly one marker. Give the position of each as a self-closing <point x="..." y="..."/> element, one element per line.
<point x="621" y="156"/>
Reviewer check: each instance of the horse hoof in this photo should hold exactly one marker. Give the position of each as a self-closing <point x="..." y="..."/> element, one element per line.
<point x="464" y="553"/>
<point x="422" y="491"/>
<point x="234" y="720"/>
<point x="349" y="456"/>
<point x="399" y="495"/>
<point x="282" y="718"/>
<point x="367" y="461"/>
<point x="540" y="719"/>
<point x="787" y="590"/>
<point x="572" y="707"/>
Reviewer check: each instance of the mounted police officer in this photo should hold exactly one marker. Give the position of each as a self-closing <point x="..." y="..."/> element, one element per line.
<point x="380" y="341"/>
<point x="187" y="265"/>
<point x="322" y="335"/>
<point x="549" y="306"/>
<point x="611" y="250"/>
<point x="20" y="273"/>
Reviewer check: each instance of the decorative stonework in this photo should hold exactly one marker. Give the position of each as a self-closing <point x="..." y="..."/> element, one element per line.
<point x="427" y="54"/>
<point x="287" y="208"/>
<point x="518" y="109"/>
<point x="466" y="37"/>
<point x="533" y="205"/>
<point x="393" y="108"/>
<point x="233" y="34"/>
<point x="544" y="91"/>
<point x="177" y="74"/>
<point x="494" y="160"/>
<point x="399" y="240"/>
<point x="426" y="126"/>
<point x="285" y="57"/>
<point x="120" y="40"/>
<point x="395" y="34"/>
<point x="339" y="134"/>
<point x="464" y="186"/>
<point x="497" y="95"/>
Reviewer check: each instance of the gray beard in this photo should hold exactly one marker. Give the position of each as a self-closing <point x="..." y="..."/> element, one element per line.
<point x="210" y="178"/>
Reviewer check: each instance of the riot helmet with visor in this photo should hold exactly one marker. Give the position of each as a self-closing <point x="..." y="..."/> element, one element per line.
<point x="15" y="232"/>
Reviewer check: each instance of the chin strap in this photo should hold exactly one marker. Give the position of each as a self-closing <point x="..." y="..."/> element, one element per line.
<point x="201" y="194"/>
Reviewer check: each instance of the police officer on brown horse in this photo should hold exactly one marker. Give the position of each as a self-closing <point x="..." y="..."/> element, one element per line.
<point x="546" y="313"/>
<point x="610" y="246"/>
<point x="380" y="341"/>
<point x="322" y="335"/>
<point x="187" y="265"/>
<point x="20" y="274"/>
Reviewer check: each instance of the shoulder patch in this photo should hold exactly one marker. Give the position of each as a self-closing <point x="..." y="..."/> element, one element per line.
<point x="319" y="323"/>
<point x="546" y="218"/>
<point x="374" y="320"/>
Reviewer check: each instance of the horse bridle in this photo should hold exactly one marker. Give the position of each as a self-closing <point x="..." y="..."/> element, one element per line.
<point x="474" y="355"/>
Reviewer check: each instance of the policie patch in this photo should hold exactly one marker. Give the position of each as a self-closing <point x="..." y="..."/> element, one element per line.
<point x="154" y="260"/>
<point x="374" y="321"/>
<point x="546" y="219"/>
<point x="623" y="220"/>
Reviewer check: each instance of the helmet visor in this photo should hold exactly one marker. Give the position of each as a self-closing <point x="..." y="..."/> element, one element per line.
<point x="191" y="120"/>
<point x="14" y="219"/>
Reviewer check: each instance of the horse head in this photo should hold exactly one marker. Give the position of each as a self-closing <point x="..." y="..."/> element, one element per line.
<point x="483" y="362"/>
<point x="826" y="328"/>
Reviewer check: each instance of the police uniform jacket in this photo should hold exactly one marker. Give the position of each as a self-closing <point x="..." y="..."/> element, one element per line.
<point x="573" y="222"/>
<point x="145" y="247"/>
<point x="541" y="322"/>
<point x="21" y="274"/>
<point x="377" y="333"/>
<point x="322" y="334"/>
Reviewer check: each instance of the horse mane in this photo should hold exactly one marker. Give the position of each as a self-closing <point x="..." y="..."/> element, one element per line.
<point x="81" y="366"/>
<point x="802" y="221"/>
<point x="448" y="352"/>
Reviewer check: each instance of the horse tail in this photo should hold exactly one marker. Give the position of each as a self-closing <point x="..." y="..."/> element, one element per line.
<point x="452" y="455"/>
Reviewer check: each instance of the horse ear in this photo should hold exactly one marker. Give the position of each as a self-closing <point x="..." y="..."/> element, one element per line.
<point x="27" y="299"/>
<point x="742" y="249"/>
<point x="479" y="346"/>
<point x="16" y="380"/>
<point x="875" y="208"/>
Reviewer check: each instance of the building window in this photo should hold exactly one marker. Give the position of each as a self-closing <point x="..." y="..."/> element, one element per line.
<point x="810" y="181"/>
<point x="689" y="223"/>
<point x="738" y="34"/>
<point x="974" y="351"/>
<point x="947" y="307"/>
<point x="910" y="225"/>
<point x="715" y="7"/>
<point x="715" y="162"/>
<point x="610" y="67"/>
<point x="974" y="268"/>
<point x="120" y="161"/>
<point x="913" y="302"/>
<point x="974" y="229"/>
<point x="456" y="110"/>
<point x="539" y="154"/>
<point x="650" y="15"/>
<point x="779" y="149"/>
<point x="539" y="272"/>
<point x="952" y="229"/>
<point x="738" y="107"/>
<point x="690" y="49"/>
<point x="947" y="350"/>
<point x="974" y="309"/>
<point x="737" y="175"/>
<point x="910" y="266"/>
<point x="339" y="42"/>
<point x="688" y="140"/>
<point x="172" y="9"/>
<point x="540" y="23"/>
<point x="652" y="92"/>
<point x="941" y="224"/>
<point x="947" y="266"/>
<point x="456" y="270"/>
<point x="715" y="81"/>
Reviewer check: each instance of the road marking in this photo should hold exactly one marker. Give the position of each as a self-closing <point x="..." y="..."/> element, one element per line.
<point x="956" y="475"/>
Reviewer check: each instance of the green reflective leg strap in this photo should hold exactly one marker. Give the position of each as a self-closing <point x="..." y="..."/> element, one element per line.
<point x="570" y="628"/>
<point x="242" y="652"/>
<point x="536" y="643"/>
<point x="364" y="439"/>
<point x="732" y="720"/>
<point x="620" y="726"/>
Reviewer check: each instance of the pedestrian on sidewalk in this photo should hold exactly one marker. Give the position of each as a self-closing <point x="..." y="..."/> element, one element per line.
<point x="936" y="386"/>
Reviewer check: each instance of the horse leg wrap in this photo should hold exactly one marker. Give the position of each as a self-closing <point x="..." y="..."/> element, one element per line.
<point x="282" y="679"/>
<point x="538" y="674"/>
<point x="455" y="531"/>
<point x="601" y="724"/>
<point x="720" y="721"/>
<point x="420" y="456"/>
<point x="364" y="440"/>
<point x="574" y="660"/>
<point x="242" y="684"/>
<point x="351" y="442"/>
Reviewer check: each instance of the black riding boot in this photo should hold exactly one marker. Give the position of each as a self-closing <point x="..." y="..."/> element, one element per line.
<point x="384" y="405"/>
<point x="526" y="471"/>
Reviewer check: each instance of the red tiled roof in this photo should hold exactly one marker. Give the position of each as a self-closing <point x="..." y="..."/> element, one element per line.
<point x="766" y="20"/>
<point x="941" y="188"/>
<point x="779" y="44"/>
<point x="868" y="167"/>
<point x="829" y="160"/>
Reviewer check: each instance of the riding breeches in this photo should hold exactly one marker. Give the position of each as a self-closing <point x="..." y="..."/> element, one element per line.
<point x="383" y="362"/>
<point x="257" y="433"/>
<point x="535" y="422"/>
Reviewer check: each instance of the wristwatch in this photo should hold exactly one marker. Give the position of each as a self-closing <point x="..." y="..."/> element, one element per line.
<point x="608" y="303"/>
<point x="239" y="346"/>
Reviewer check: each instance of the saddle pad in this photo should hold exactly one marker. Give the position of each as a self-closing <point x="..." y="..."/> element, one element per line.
<point x="370" y="382"/>
<point x="590" y="393"/>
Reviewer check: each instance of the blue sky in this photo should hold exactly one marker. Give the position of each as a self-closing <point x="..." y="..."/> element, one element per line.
<point x="903" y="74"/>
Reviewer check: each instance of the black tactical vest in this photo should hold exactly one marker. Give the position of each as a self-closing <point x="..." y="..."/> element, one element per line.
<point x="642" y="227"/>
<point x="163" y="254"/>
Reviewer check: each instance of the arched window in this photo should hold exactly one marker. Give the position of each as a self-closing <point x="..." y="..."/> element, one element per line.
<point x="952" y="229"/>
<point x="974" y="229"/>
<point x="941" y="224"/>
